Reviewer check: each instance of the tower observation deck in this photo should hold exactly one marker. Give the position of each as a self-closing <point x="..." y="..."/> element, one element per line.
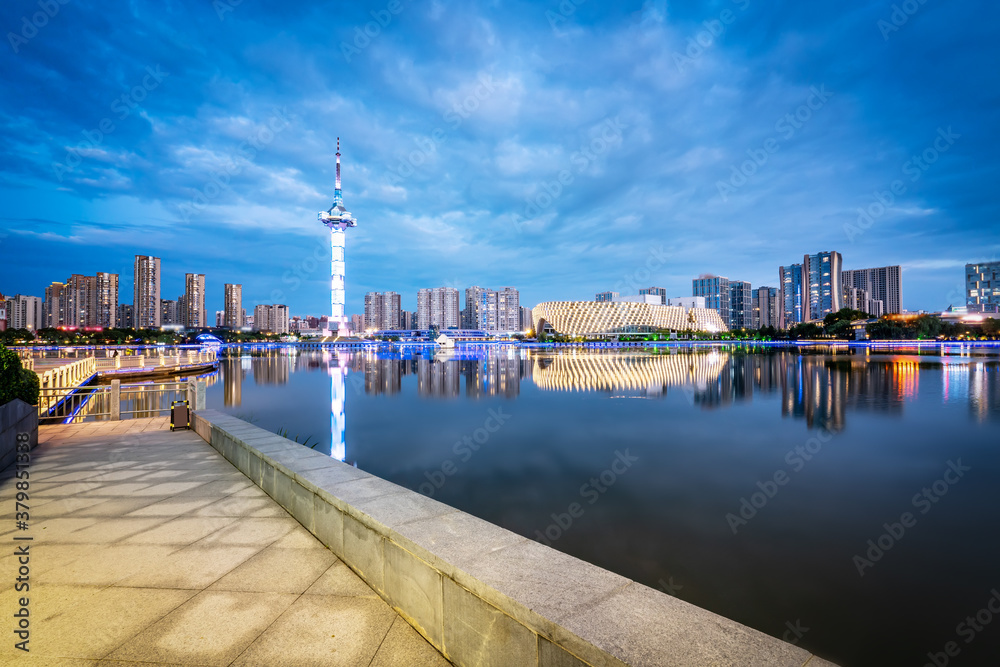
<point x="338" y="219"/>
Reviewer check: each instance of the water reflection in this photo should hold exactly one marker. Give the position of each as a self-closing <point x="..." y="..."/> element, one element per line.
<point x="819" y="388"/>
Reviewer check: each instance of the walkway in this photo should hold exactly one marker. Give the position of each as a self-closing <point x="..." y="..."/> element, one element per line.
<point x="150" y="548"/>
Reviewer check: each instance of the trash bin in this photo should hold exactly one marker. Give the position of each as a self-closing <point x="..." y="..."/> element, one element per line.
<point x="180" y="415"/>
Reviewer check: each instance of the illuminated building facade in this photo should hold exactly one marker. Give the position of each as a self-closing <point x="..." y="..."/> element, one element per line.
<point x="595" y="318"/>
<point x="823" y="290"/>
<point x="982" y="287"/>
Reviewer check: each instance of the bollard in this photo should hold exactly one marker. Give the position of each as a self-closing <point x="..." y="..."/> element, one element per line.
<point x="116" y="406"/>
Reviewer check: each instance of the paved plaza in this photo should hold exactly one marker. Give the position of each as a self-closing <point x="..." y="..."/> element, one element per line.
<point x="149" y="548"/>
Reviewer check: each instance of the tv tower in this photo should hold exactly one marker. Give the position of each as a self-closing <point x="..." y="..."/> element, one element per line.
<point x="338" y="219"/>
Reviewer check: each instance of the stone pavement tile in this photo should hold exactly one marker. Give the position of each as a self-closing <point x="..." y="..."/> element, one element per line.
<point x="171" y="507"/>
<point x="110" y="489"/>
<point x="112" y="529"/>
<point x="83" y="622"/>
<point x="52" y="530"/>
<point x="169" y="489"/>
<point x="194" y="567"/>
<point x="276" y="570"/>
<point x="341" y="580"/>
<point x="322" y="630"/>
<point x="236" y="506"/>
<point x="220" y="489"/>
<point x="53" y="507"/>
<point x="299" y="538"/>
<point x="104" y="565"/>
<point x="252" y="531"/>
<point x="180" y="530"/>
<point x="212" y="628"/>
<point x="404" y="646"/>
<point x="112" y="507"/>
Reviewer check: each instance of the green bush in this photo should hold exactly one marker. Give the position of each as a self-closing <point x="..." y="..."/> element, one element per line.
<point x="16" y="381"/>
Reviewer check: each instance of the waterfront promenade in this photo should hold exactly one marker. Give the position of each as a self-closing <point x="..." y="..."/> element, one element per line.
<point x="148" y="547"/>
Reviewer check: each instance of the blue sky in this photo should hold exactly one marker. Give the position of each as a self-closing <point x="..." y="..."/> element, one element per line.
<point x="562" y="149"/>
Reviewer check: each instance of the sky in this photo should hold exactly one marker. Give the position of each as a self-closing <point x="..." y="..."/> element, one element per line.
<point x="562" y="148"/>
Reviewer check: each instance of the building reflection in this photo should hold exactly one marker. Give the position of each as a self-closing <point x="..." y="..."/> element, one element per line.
<point x="817" y="388"/>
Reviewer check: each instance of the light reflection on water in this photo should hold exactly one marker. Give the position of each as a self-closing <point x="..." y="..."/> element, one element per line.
<point x="714" y="423"/>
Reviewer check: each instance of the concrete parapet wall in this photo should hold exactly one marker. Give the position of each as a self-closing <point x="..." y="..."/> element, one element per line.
<point x="16" y="417"/>
<point x="481" y="594"/>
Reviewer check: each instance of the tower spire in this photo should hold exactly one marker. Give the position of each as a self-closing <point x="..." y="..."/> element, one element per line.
<point x="337" y="194"/>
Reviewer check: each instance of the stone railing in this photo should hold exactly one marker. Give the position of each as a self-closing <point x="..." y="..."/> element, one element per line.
<point x="55" y="383"/>
<point x="481" y="594"/>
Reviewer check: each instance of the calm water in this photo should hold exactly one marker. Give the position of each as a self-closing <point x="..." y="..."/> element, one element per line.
<point x="834" y="444"/>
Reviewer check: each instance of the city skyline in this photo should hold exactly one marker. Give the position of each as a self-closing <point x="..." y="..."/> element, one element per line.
<point x="479" y="159"/>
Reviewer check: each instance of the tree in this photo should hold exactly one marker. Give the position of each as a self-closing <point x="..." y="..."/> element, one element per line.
<point x="15" y="380"/>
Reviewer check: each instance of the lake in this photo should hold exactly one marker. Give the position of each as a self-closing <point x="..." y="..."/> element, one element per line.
<point x="840" y="498"/>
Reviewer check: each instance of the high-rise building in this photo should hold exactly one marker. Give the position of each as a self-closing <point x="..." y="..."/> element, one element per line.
<point x="374" y="302"/>
<point x="508" y="309"/>
<point x="526" y="323"/>
<point x="821" y="281"/>
<point x="168" y="313"/>
<point x="883" y="284"/>
<point x="982" y="287"/>
<point x="602" y="297"/>
<point x="106" y="311"/>
<point x="480" y="309"/>
<point x="146" y="299"/>
<point x="220" y="318"/>
<point x="194" y="314"/>
<point x="715" y="289"/>
<point x="126" y="316"/>
<point x="233" y="306"/>
<point x="657" y="291"/>
<point x="859" y="299"/>
<point x="80" y="301"/>
<point x="53" y="310"/>
<point x="271" y="318"/>
<point x="357" y="323"/>
<point x="409" y="320"/>
<point x="740" y="305"/>
<point x="438" y="307"/>
<point x="766" y="307"/>
<point x="24" y="312"/>
<point x="790" y="295"/>
<point x="391" y="302"/>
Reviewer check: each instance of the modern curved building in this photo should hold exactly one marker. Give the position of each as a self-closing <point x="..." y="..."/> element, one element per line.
<point x="601" y="318"/>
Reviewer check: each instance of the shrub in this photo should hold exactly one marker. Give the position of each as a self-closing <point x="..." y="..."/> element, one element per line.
<point x="16" y="381"/>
